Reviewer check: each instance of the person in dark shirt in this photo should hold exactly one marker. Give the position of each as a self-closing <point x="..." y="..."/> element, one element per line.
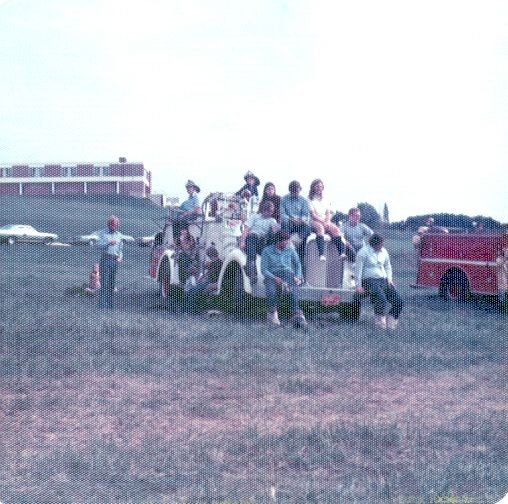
<point x="206" y="283"/>
<point x="251" y="185"/>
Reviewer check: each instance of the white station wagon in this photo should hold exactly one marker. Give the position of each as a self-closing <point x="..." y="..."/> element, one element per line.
<point x="14" y="233"/>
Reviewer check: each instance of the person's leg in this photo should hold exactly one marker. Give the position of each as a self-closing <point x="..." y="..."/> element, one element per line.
<point x="107" y="282"/>
<point x="375" y="287"/>
<point x="395" y="300"/>
<point x="303" y="231"/>
<point x="337" y="241"/>
<point x="271" y="301"/>
<point x="350" y="253"/>
<point x="319" y="229"/>
<point x="251" y="247"/>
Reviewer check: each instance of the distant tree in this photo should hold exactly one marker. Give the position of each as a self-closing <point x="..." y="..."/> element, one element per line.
<point x="452" y="221"/>
<point x="386" y="214"/>
<point x="370" y="216"/>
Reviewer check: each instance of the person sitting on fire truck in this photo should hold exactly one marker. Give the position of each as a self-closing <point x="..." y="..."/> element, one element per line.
<point x="295" y="216"/>
<point x="189" y="210"/>
<point x="256" y="232"/>
<point x="251" y="185"/>
<point x="207" y="282"/>
<point x="355" y="233"/>
<point x="186" y="255"/>
<point x="320" y="213"/>
<point x="373" y="273"/>
<point x="282" y="270"/>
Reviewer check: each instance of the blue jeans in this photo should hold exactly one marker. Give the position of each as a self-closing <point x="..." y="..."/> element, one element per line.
<point x="303" y="231"/>
<point x="382" y="294"/>
<point x="272" y="289"/>
<point x="108" y="266"/>
<point x="254" y="245"/>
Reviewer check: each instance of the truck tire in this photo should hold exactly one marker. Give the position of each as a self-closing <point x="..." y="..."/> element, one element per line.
<point x="234" y="297"/>
<point x="454" y="286"/>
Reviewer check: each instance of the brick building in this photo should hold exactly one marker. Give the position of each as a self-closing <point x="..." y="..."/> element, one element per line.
<point x="83" y="178"/>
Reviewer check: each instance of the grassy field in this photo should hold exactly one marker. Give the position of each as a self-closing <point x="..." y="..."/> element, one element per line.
<point x="148" y="404"/>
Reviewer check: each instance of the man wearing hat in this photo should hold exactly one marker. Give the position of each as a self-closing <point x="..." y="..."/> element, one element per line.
<point x="295" y="215"/>
<point x="189" y="209"/>
<point x="251" y="185"/>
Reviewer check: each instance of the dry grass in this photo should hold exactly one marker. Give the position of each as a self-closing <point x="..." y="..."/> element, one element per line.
<point x="147" y="404"/>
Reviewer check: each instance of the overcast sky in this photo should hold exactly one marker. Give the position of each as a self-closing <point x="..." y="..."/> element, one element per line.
<point x="403" y="102"/>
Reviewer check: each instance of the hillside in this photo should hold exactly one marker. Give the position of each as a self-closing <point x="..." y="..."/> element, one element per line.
<point x="69" y="215"/>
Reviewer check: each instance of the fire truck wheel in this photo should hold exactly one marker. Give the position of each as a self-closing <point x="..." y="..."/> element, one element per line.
<point x="233" y="292"/>
<point x="454" y="286"/>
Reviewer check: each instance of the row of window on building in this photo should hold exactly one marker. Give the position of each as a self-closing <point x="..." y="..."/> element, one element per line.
<point x="78" y="170"/>
<point x="56" y="171"/>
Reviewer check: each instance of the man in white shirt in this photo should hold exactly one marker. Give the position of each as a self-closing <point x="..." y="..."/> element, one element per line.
<point x="373" y="274"/>
<point x="110" y="241"/>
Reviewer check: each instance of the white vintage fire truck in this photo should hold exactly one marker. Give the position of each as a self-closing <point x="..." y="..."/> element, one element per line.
<point x="328" y="283"/>
<point x="460" y="264"/>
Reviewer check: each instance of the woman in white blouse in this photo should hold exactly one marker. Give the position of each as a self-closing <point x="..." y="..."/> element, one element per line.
<point x="320" y="212"/>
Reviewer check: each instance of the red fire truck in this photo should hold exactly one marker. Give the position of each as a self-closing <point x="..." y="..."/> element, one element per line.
<point x="460" y="264"/>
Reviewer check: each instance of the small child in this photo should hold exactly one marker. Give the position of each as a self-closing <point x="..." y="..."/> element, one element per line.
<point x="94" y="281"/>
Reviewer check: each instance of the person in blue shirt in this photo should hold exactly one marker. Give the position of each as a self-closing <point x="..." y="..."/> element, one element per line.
<point x="110" y="241"/>
<point x="295" y="215"/>
<point x="282" y="270"/>
<point x="189" y="210"/>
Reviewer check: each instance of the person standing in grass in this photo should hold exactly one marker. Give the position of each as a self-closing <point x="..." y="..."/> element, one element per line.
<point x="282" y="270"/>
<point x="110" y="241"/>
<point x="373" y="274"/>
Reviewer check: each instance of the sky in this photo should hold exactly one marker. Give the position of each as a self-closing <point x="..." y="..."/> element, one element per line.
<point x="398" y="101"/>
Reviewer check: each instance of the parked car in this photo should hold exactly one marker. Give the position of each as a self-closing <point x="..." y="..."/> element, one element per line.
<point x="91" y="239"/>
<point x="14" y="233"/>
<point x="145" y="241"/>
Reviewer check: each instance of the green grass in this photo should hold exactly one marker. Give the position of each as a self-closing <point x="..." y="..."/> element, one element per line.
<point x="148" y="404"/>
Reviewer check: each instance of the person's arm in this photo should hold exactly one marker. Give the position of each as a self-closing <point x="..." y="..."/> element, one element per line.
<point x="265" y="264"/>
<point x="388" y="268"/>
<point x="305" y="212"/>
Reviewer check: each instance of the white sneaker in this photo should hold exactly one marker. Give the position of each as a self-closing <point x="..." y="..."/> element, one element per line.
<point x="273" y="318"/>
<point x="322" y="258"/>
<point x="391" y="323"/>
<point x="380" y="321"/>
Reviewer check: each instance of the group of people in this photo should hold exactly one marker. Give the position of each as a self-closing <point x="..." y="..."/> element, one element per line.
<point x="268" y="233"/>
